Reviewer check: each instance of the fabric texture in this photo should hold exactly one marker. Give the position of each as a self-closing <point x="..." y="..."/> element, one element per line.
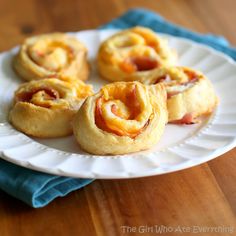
<point x="157" y="23"/>
<point x="35" y="188"/>
<point x="38" y="189"/>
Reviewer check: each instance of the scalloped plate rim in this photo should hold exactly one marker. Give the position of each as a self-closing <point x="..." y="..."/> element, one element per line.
<point x="58" y="171"/>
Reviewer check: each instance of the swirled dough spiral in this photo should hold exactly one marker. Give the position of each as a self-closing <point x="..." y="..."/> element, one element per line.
<point x="133" y="54"/>
<point x="52" y="55"/>
<point x="189" y="93"/>
<point x="45" y="108"/>
<point x="123" y="117"/>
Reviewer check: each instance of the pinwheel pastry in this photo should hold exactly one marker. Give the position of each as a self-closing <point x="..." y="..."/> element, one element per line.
<point x="190" y="94"/>
<point x="45" y="108"/>
<point x="52" y="55"/>
<point x="133" y="54"/>
<point x="122" y="117"/>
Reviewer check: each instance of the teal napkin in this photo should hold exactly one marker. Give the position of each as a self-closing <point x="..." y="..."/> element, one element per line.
<point x="157" y="23"/>
<point x="35" y="188"/>
<point x="38" y="189"/>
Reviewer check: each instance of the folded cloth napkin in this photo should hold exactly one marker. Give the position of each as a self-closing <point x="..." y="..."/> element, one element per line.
<point x="38" y="189"/>
<point x="35" y="188"/>
<point x="157" y="23"/>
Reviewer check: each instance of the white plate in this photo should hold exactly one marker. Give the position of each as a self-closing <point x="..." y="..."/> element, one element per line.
<point x="180" y="147"/>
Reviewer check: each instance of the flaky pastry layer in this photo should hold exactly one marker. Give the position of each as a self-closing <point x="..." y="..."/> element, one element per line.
<point x="190" y="94"/>
<point x="122" y="117"/>
<point x="52" y="55"/>
<point x="133" y="55"/>
<point x="45" y="108"/>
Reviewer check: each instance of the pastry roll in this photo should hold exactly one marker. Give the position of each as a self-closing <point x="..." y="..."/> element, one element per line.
<point x="190" y="94"/>
<point x="52" y="55"/>
<point x="123" y="117"/>
<point x="133" y="54"/>
<point x="45" y="108"/>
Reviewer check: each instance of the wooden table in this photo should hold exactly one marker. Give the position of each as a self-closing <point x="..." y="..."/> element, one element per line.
<point x="200" y="196"/>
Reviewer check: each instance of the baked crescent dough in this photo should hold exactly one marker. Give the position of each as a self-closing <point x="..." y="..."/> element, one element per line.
<point x="123" y="117"/>
<point x="190" y="94"/>
<point x="133" y="54"/>
<point x="52" y="55"/>
<point x="45" y="108"/>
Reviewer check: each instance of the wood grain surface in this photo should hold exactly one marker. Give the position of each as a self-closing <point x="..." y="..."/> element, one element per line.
<point x="202" y="196"/>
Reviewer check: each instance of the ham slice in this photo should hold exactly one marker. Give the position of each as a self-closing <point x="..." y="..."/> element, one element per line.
<point x="49" y="94"/>
<point x="142" y="63"/>
<point x="187" y="120"/>
<point x="134" y="106"/>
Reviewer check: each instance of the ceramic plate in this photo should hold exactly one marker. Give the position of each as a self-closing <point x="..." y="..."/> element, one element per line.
<point x="180" y="147"/>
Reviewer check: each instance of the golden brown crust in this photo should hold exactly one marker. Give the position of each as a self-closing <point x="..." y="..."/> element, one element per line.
<point x="133" y="55"/>
<point x="190" y="94"/>
<point x="107" y="124"/>
<point x="198" y="100"/>
<point x="52" y="55"/>
<point x="45" y="108"/>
